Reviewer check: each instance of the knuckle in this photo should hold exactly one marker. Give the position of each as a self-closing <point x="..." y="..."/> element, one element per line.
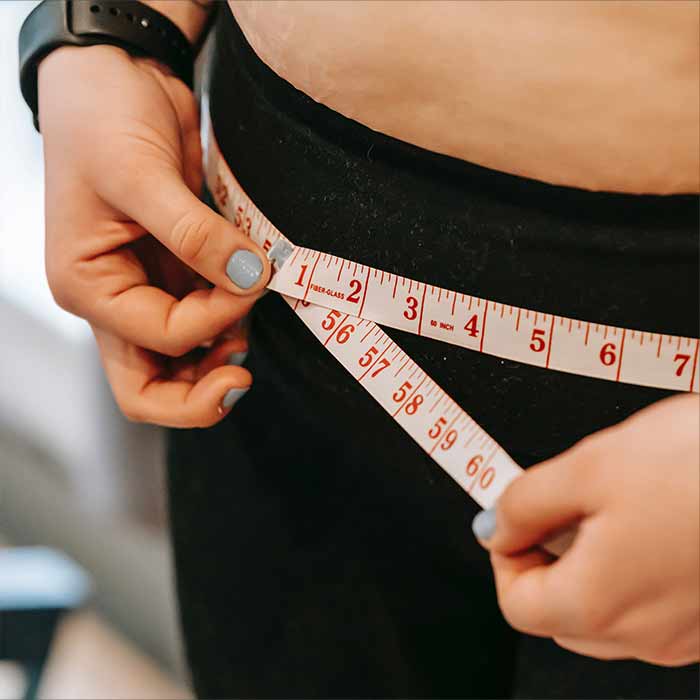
<point x="191" y="237"/>
<point x="62" y="290"/>
<point x="577" y="647"/>
<point x="173" y="340"/>
<point x="173" y="346"/>
<point x="131" y="412"/>
<point x="509" y="505"/>
<point x="513" y="617"/>
<point x="564" y="643"/>
<point x="521" y="614"/>
<point x="591" y="613"/>
<point x="129" y="407"/>
<point x="521" y="620"/>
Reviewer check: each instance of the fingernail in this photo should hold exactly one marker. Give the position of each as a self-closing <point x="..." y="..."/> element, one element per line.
<point x="237" y="358"/>
<point x="484" y="524"/>
<point x="244" y="268"/>
<point x="232" y="395"/>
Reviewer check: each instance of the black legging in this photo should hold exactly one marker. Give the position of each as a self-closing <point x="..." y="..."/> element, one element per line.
<point x="319" y="551"/>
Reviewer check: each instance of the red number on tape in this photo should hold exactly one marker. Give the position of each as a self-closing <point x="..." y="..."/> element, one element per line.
<point x="366" y="359"/>
<point x="470" y="326"/>
<point x="413" y="404"/>
<point x="356" y="287"/>
<point x="344" y="333"/>
<point x="329" y="322"/>
<point x="486" y="479"/>
<point x="449" y="440"/>
<point x="435" y="431"/>
<point x="412" y="312"/>
<point x="400" y="393"/>
<point x="683" y="362"/>
<point x="300" y="281"/>
<point x="473" y="465"/>
<point x="607" y="354"/>
<point x="537" y="344"/>
<point x="382" y="364"/>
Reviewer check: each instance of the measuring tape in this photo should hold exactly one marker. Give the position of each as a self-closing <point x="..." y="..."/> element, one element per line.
<point x="342" y="302"/>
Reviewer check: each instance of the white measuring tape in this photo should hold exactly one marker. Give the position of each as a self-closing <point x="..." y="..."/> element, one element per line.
<point x="342" y="302"/>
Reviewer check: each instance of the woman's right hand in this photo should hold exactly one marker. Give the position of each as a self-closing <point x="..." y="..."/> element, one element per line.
<point x="128" y="241"/>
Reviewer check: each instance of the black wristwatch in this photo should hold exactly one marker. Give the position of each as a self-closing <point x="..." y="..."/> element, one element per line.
<point x="131" y="25"/>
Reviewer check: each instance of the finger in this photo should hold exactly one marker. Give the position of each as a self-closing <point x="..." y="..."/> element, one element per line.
<point x="226" y="352"/>
<point x="157" y="197"/>
<point x="237" y="330"/>
<point x="530" y="593"/>
<point x="144" y="393"/>
<point x="192" y="160"/>
<point x="199" y="361"/>
<point x="544" y="500"/>
<point x="187" y="110"/>
<point x="121" y="301"/>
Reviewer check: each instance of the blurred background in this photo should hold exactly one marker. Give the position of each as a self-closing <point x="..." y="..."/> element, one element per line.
<point x="75" y="476"/>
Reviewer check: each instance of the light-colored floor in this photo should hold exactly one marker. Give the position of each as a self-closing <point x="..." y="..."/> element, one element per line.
<point x="91" y="661"/>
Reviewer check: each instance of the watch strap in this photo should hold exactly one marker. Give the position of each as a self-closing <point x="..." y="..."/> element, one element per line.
<point x="128" y="24"/>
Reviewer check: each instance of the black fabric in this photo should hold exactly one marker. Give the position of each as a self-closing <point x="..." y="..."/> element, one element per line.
<point x="319" y="552"/>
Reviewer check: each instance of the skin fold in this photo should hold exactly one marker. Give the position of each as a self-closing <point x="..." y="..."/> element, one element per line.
<point x="597" y="95"/>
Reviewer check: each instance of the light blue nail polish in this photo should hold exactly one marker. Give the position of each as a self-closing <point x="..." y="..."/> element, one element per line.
<point x="232" y="396"/>
<point x="244" y="268"/>
<point x="484" y="524"/>
<point x="237" y="358"/>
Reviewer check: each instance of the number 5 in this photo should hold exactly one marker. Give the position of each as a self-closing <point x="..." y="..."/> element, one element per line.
<point x="400" y="393"/>
<point x="435" y="431"/>
<point x="330" y="320"/>
<point x="366" y="359"/>
<point x="537" y="344"/>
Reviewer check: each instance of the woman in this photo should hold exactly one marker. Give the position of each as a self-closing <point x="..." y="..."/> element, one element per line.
<point x="543" y="155"/>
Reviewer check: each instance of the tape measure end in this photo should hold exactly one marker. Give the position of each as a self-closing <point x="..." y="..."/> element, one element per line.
<point x="279" y="253"/>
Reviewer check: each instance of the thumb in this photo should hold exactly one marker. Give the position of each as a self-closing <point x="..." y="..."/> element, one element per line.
<point x="158" y="198"/>
<point x="536" y="505"/>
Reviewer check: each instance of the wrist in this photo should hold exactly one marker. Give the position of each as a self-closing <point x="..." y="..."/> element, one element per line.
<point x="132" y="26"/>
<point x="68" y="64"/>
<point x="190" y="16"/>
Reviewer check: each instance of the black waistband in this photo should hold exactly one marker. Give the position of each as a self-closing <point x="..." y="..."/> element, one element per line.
<point x="644" y="216"/>
<point x="333" y="184"/>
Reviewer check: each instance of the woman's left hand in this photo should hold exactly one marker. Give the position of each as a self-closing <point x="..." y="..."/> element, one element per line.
<point x="629" y="585"/>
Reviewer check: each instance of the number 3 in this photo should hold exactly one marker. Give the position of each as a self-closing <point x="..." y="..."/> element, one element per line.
<point x="411" y="313"/>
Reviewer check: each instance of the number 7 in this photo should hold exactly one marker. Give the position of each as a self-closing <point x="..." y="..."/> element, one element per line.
<point x="684" y="361"/>
<point x="382" y="364"/>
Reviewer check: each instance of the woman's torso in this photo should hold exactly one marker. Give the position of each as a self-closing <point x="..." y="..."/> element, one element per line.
<point x="339" y="549"/>
<point x="598" y="95"/>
